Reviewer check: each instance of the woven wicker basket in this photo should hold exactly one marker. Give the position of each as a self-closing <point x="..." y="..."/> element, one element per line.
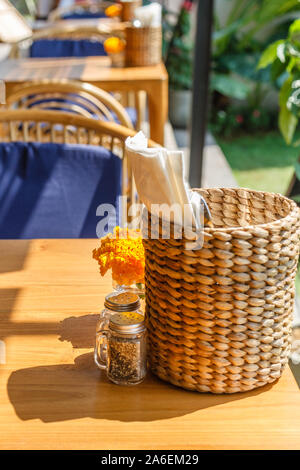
<point x="219" y="319"/>
<point x="143" y="46"/>
<point x="128" y="9"/>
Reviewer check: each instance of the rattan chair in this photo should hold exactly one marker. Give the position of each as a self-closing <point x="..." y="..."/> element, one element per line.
<point x="85" y="6"/>
<point x="72" y="96"/>
<point x="32" y="125"/>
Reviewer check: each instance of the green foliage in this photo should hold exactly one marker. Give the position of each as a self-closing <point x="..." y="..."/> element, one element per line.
<point x="284" y="57"/>
<point x="270" y="54"/>
<point x="236" y="51"/>
<point x="287" y="120"/>
<point x="247" y="17"/>
<point x="236" y="120"/>
<point x="179" y="52"/>
<point x="229" y="86"/>
<point x="297" y="170"/>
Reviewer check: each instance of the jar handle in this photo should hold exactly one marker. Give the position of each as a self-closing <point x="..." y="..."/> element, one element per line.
<point x="100" y="352"/>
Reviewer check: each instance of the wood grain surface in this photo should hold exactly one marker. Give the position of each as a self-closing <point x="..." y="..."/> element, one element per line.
<point x="53" y="397"/>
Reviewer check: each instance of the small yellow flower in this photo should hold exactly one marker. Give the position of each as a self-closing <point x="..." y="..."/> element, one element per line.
<point x="123" y="253"/>
<point x="114" y="45"/>
<point x="113" y="10"/>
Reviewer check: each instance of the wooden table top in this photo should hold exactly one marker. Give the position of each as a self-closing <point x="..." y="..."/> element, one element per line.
<point x="88" y="69"/>
<point x="53" y="397"/>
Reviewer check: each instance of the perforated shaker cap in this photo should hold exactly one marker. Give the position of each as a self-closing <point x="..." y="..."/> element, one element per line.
<point x="127" y="323"/>
<point x="122" y="301"/>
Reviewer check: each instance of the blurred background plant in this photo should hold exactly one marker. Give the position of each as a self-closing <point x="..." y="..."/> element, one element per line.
<point x="178" y="55"/>
<point x="236" y="120"/>
<point x="178" y="51"/>
<point x="238" y="41"/>
<point x="283" y="56"/>
<point x="251" y="25"/>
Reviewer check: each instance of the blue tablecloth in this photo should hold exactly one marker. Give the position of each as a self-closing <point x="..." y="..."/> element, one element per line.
<point x="53" y="190"/>
<point x="84" y="15"/>
<point x="66" y="48"/>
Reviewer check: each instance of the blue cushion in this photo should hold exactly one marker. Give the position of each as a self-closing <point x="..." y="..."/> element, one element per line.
<point x="83" y="15"/>
<point x="132" y="114"/>
<point x="71" y="100"/>
<point x="53" y="190"/>
<point x="66" y="48"/>
<point x="130" y="111"/>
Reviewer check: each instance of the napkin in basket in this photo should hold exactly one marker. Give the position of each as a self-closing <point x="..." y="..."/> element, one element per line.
<point x="159" y="179"/>
<point x="149" y="15"/>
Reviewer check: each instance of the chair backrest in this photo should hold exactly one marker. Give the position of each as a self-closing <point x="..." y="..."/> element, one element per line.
<point x="76" y="97"/>
<point x="51" y="190"/>
<point x="83" y="9"/>
<point x="59" y="127"/>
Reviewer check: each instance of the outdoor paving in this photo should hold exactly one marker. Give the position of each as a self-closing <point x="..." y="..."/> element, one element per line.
<point x="216" y="173"/>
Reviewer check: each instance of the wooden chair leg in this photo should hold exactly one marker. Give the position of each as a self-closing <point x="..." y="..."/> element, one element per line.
<point x="140" y="106"/>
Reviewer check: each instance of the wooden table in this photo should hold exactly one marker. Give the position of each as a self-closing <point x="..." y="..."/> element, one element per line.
<point x="53" y="396"/>
<point x="97" y="71"/>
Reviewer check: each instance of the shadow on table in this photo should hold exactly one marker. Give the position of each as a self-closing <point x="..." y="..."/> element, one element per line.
<point x="80" y="331"/>
<point x="73" y="391"/>
<point x="13" y="260"/>
<point x="7" y="300"/>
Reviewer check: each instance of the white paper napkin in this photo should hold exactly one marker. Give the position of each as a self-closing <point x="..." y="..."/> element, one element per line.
<point x="159" y="179"/>
<point x="149" y="15"/>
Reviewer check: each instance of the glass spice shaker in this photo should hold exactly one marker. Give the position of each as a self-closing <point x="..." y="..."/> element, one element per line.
<point x="120" y="301"/>
<point x="121" y="348"/>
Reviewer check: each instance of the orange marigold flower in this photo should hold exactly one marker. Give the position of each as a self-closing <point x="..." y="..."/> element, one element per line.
<point x="123" y="253"/>
<point x="114" y="45"/>
<point x="113" y="10"/>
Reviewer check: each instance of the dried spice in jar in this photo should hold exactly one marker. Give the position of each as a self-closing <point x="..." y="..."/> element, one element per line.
<point x="121" y="348"/>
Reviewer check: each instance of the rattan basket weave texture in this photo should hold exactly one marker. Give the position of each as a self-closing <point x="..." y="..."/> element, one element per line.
<point x="219" y="319"/>
<point x="143" y="46"/>
<point x="128" y="9"/>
